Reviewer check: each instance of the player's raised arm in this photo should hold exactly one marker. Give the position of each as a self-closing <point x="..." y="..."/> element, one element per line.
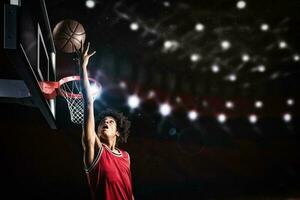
<point x="89" y="138"/>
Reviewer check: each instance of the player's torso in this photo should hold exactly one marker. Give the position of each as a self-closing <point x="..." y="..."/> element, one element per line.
<point x="114" y="167"/>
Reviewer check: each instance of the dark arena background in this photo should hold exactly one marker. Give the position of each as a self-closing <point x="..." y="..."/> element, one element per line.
<point x="211" y="88"/>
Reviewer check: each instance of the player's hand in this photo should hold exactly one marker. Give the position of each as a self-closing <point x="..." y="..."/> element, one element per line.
<point x="83" y="55"/>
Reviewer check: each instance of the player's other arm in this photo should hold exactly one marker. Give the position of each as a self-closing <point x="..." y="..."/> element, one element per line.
<point x="89" y="138"/>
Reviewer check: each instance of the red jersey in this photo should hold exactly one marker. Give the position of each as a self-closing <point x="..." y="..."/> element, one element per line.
<point x="109" y="176"/>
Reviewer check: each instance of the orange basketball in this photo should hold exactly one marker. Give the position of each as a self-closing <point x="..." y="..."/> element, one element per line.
<point x="67" y="35"/>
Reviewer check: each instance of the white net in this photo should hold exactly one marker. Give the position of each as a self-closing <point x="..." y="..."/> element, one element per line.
<point x="75" y="105"/>
<point x="76" y="109"/>
<point x="71" y="91"/>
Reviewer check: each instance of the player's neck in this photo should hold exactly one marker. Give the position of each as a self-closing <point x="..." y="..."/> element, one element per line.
<point x="110" y="144"/>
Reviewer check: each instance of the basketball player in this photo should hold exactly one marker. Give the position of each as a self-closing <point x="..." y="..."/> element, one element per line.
<point x="107" y="167"/>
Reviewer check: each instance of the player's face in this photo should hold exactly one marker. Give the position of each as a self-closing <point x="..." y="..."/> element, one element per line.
<point x="108" y="128"/>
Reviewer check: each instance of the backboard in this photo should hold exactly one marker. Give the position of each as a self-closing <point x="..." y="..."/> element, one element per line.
<point x="30" y="52"/>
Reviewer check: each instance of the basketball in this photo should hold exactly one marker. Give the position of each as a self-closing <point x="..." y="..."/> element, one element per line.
<point x="67" y="35"/>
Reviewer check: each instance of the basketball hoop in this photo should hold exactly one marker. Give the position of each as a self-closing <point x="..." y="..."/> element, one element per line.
<point x="69" y="88"/>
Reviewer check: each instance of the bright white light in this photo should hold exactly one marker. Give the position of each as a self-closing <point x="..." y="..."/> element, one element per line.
<point x="296" y="58"/>
<point x="195" y="57"/>
<point x="222" y="118"/>
<point x="134" y="26"/>
<point x="241" y="4"/>
<point x="171" y="45"/>
<point x="192" y="115"/>
<point x="225" y="44"/>
<point x="229" y="104"/>
<point x="264" y="27"/>
<point x="90" y="3"/>
<point x="133" y="101"/>
<point x="199" y="27"/>
<point x="151" y="94"/>
<point x="232" y="77"/>
<point x="282" y="44"/>
<point x="252" y="118"/>
<point x="165" y="109"/>
<point x="287" y="117"/>
<point x="245" y="57"/>
<point x="95" y="90"/>
<point x="167" y="44"/>
<point x="290" y="102"/>
<point x="215" y="68"/>
<point x="258" y="104"/>
<point x="261" y="68"/>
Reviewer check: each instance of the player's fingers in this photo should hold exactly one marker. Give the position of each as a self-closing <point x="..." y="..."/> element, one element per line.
<point x="92" y="53"/>
<point x="87" y="48"/>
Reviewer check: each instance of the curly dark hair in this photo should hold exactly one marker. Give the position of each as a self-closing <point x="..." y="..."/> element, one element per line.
<point x="123" y="124"/>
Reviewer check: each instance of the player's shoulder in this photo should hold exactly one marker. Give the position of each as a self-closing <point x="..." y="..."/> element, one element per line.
<point x="125" y="153"/>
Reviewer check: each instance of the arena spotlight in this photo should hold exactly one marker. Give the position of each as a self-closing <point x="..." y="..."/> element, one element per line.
<point x="133" y="101"/>
<point x="287" y="117"/>
<point x="261" y="68"/>
<point x="90" y="3"/>
<point x="168" y="44"/>
<point x="241" y="4"/>
<point x="296" y="57"/>
<point x="232" y="77"/>
<point x="221" y="118"/>
<point x="290" y="102"/>
<point x="252" y="118"/>
<point x="165" y="109"/>
<point x="192" y="115"/>
<point x="229" y="104"/>
<point x="264" y="27"/>
<point x="282" y="44"/>
<point x="199" y="27"/>
<point x="215" y="68"/>
<point x="225" y="44"/>
<point x="195" y="57"/>
<point x="258" y="104"/>
<point x="245" y="57"/>
<point x="134" y="26"/>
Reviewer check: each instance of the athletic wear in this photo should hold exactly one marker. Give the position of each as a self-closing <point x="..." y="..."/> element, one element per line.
<point x="109" y="176"/>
